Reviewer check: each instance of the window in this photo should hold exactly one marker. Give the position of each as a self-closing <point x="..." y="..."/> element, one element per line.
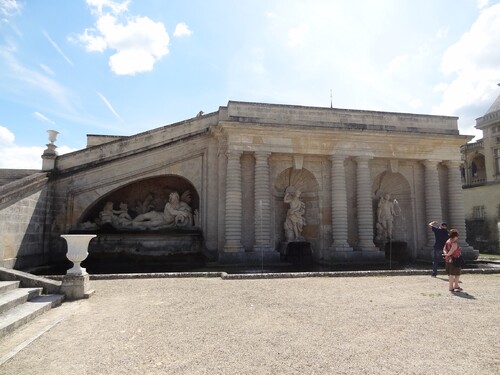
<point x="478" y="212"/>
<point x="497" y="160"/>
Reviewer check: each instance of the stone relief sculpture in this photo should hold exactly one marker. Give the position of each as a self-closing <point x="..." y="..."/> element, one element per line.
<point x="295" y="221"/>
<point x="386" y="211"/>
<point x="177" y="213"/>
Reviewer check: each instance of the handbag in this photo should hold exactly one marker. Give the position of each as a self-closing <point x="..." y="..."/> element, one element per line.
<point x="458" y="261"/>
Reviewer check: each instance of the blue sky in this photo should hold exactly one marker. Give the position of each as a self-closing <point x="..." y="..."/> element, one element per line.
<point x="123" y="67"/>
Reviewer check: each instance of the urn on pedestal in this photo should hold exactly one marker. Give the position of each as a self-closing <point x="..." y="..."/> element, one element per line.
<point x="75" y="284"/>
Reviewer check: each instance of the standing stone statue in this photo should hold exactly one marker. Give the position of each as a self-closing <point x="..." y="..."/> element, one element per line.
<point x="386" y="211"/>
<point x="295" y="221"/>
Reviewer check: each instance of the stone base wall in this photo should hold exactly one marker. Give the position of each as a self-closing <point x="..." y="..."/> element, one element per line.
<point x="22" y="224"/>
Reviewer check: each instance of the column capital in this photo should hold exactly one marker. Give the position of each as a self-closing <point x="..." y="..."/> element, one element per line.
<point x="362" y="158"/>
<point x="338" y="156"/>
<point x="452" y="163"/>
<point x="262" y="154"/>
<point x="233" y="153"/>
<point x="431" y="162"/>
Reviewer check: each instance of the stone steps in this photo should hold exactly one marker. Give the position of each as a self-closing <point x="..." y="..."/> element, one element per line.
<point x="21" y="305"/>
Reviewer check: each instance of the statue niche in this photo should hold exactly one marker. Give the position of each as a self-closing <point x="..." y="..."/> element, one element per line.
<point x="162" y="207"/>
<point x="295" y="221"/>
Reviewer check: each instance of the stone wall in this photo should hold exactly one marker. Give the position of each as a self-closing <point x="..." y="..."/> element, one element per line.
<point x="24" y="213"/>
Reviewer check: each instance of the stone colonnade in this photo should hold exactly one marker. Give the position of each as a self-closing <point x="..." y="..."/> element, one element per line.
<point x="262" y="202"/>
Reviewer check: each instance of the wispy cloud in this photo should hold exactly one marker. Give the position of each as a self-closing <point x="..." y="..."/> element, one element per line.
<point x="9" y="8"/>
<point x="35" y="79"/>
<point x="56" y="47"/>
<point x="47" y="70"/>
<point x="139" y="42"/>
<point x="181" y="29"/>
<point x="43" y="118"/>
<point x="110" y="107"/>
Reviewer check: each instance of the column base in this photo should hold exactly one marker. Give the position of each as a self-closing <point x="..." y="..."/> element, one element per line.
<point x="340" y="247"/>
<point x="233" y="248"/>
<point x="368" y="247"/>
<point x="469" y="253"/>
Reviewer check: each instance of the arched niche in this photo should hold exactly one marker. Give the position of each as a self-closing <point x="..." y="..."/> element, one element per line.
<point x="150" y="194"/>
<point x="478" y="168"/>
<point x="305" y="181"/>
<point x="399" y="189"/>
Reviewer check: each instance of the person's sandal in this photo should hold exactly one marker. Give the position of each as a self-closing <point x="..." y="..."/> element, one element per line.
<point x="458" y="289"/>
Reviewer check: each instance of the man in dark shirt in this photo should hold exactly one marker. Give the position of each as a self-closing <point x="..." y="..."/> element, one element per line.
<point x="441" y="236"/>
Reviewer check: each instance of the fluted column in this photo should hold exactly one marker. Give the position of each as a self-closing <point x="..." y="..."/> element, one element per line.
<point x="262" y="203"/>
<point x="455" y="201"/>
<point x="233" y="213"/>
<point x="339" y="205"/>
<point x="364" y="199"/>
<point x="433" y="208"/>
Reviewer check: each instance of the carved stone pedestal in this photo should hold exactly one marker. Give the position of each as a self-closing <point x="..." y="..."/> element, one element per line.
<point x="76" y="286"/>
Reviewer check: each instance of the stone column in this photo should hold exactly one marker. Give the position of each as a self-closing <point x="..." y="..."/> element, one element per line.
<point x="233" y="212"/>
<point x="365" y="209"/>
<point x="433" y="207"/>
<point x="455" y="202"/>
<point x="262" y="203"/>
<point x="339" y="205"/>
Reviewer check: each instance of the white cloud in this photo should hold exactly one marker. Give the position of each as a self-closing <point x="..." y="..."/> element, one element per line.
<point x="442" y="32"/>
<point x="97" y="6"/>
<point x="138" y="42"/>
<point x="297" y="36"/>
<point x="181" y="29"/>
<point x="6" y="136"/>
<point x="473" y="63"/>
<point x="43" y="118"/>
<point x="9" y="8"/>
<point x="397" y="62"/>
<point x="482" y="3"/>
<point x="415" y="103"/>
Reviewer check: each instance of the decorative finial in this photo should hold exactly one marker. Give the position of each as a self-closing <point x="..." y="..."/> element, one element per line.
<point x="52" y="135"/>
<point x="331" y="99"/>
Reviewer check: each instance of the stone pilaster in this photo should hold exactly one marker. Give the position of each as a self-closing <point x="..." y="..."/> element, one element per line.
<point x="456" y="205"/>
<point x="433" y="208"/>
<point x="364" y="199"/>
<point x="211" y="180"/>
<point x="262" y="203"/>
<point x="232" y="220"/>
<point x="339" y="205"/>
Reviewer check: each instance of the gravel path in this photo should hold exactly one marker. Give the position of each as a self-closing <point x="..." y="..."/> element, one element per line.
<point x="369" y="325"/>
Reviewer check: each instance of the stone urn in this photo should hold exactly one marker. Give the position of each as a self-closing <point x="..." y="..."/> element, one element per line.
<point x="78" y="245"/>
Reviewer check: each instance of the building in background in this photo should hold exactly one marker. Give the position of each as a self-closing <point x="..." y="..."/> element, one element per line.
<point x="481" y="183"/>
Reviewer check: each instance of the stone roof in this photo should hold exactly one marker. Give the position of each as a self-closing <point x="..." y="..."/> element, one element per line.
<point x="495" y="106"/>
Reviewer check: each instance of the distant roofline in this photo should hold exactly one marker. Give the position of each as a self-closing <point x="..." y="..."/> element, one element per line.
<point x="336" y="109"/>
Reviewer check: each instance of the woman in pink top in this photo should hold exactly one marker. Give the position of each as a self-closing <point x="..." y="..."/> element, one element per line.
<point x="452" y="250"/>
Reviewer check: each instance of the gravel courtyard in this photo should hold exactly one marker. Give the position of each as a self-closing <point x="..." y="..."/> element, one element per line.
<point x="320" y="325"/>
